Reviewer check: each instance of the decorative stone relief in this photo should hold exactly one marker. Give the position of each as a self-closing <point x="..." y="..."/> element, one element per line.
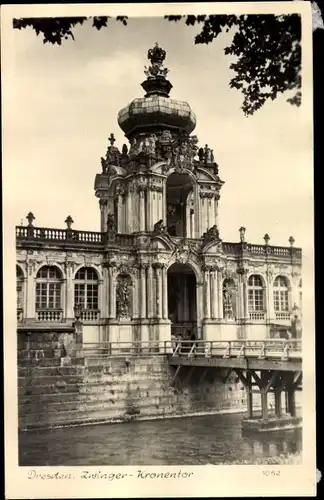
<point x="31" y="267"/>
<point x="123" y="296"/>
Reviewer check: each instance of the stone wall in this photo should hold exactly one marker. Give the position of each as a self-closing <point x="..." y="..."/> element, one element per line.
<point x="120" y="389"/>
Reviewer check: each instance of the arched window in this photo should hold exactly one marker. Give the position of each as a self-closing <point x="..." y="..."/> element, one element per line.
<point x="86" y="289"/>
<point x="280" y="294"/>
<point x="20" y="292"/>
<point x="281" y="298"/>
<point x="256" y="297"/>
<point x="48" y="293"/>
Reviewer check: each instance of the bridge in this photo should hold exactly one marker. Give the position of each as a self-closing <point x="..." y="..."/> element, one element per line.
<point x="262" y="366"/>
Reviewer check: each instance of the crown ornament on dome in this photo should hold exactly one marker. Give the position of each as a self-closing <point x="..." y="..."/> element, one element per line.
<point x="156" y="56"/>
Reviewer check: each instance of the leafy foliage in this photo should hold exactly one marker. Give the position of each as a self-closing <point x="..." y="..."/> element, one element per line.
<point x="56" y="29"/>
<point x="266" y="48"/>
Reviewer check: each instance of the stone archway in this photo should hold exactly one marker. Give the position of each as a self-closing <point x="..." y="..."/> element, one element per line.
<point x="179" y="188"/>
<point x="182" y="299"/>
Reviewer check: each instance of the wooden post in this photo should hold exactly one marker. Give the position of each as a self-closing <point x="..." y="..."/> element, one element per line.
<point x="278" y="409"/>
<point x="291" y="402"/>
<point x="249" y="394"/>
<point x="286" y="401"/>
<point x="264" y="404"/>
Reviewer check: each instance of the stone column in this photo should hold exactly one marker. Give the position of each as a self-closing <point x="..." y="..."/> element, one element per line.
<point x="135" y="293"/>
<point x="158" y="279"/>
<point x="149" y="291"/>
<point x="213" y="294"/>
<point x="104" y="296"/>
<point x="209" y="213"/>
<point x="216" y="208"/>
<point x="69" y="312"/>
<point x="142" y="214"/>
<point x="64" y="298"/>
<point x="246" y="296"/>
<point x="31" y="291"/>
<point x="240" y="312"/>
<point x="121" y="215"/>
<point x="207" y="292"/>
<point x="266" y="299"/>
<point x="220" y="294"/>
<point x="165" y="292"/>
<point x="271" y="312"/>
<point x="103" y="215"/>
<point x="149" y="208"/>
<point x="112" y="301"/>
<point x="129" y="213"/>
<point x="143" y="290"/>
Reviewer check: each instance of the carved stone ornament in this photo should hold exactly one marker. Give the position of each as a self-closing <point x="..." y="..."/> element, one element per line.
<point x="111" y="223"/>
<point x="227" y="303"/>
<point x="159" y="227"/>
<point x="179" y="152"/>
<point x="123" y="296"/>
<point x="228" y="273"/>
<point x="212" y="234"/>
<point x="184" y="153"/>
<point x="124" y="269"/>
<point x="156" y="56"/>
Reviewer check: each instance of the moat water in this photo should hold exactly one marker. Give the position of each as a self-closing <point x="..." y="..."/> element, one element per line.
<point x="199" y="440"/>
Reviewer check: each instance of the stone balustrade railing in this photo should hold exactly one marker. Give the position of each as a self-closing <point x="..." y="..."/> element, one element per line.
<point x="43" y="234"/>
<point x="237" y="248"/>
<point x="93" y="238"/>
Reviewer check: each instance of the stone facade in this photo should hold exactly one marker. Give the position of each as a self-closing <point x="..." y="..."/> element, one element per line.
<point x="158" y="264"/>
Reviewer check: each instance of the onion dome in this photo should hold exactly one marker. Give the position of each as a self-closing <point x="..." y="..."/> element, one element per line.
<point x="156" y="111"/>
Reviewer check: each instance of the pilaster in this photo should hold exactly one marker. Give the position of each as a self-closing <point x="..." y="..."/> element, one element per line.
<point x="207" y="291"/>
<point x="149" y="290"/>
<point x="220" y="294"/>
<point x="165" y="292"/>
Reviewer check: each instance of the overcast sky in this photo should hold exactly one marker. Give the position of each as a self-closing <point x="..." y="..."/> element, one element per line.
<point x="66" y="101"/>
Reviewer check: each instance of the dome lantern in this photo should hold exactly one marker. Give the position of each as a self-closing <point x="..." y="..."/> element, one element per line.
<point x="156" y="111"/>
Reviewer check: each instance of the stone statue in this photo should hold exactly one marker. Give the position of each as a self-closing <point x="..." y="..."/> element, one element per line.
<point x="213" y="231"/>
<point x="227" y="303"/>
<point x="149" y="144"/>
<point x="166" y="136"/>
<point x="123" y="297"/>
<point x="212" y="234"/>
<point x="124" y="150"/>
<point x="207" y="154"/>
<point x="159" y="227"/>
<point x="201" y="154"/>
<point x="103" y="164"/>
<point x="111" y="224"/>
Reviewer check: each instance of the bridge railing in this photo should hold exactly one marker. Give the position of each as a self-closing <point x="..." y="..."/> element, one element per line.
<point x="261" y="349"/>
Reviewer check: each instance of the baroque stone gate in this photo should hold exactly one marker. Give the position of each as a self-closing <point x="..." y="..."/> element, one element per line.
<point x="159" y="263"/>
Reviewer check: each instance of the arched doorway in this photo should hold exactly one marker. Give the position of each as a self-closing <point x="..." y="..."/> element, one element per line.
<point x="179" y="201"/>
<point x="182" y="299"/>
